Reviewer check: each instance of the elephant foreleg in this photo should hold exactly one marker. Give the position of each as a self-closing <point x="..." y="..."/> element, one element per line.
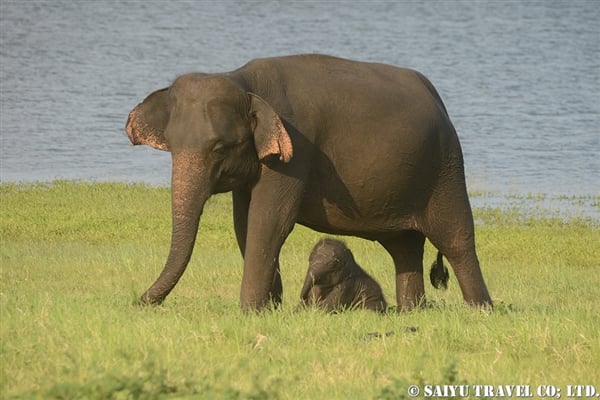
<point x="241" y="204"/>
<point x="272" y="211"/>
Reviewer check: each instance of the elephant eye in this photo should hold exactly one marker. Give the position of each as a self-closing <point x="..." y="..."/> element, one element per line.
<point x="219" y="148"/>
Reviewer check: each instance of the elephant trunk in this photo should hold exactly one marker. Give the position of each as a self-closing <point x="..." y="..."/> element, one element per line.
<point x="189" y="191"/>
<point x="309" y="283"/>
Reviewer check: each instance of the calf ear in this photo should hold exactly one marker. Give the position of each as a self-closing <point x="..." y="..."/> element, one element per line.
<point x="147" y="121"/>
<point x="270" y="136"/>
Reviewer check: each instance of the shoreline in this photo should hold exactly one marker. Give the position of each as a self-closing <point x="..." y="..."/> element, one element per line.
<point x="564" y="207"/>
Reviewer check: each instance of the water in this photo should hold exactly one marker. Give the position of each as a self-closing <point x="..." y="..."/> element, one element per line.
<point x="521" y="80"/>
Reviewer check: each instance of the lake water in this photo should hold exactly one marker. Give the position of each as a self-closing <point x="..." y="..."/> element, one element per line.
<point x="521" y="80"/>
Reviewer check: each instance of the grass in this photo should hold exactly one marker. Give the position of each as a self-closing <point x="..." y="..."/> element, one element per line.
<point x="74" y="257"/>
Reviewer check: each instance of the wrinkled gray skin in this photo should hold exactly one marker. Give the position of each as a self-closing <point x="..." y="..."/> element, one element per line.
<point x="335" y="282"/>
<point x="284" y="135"/>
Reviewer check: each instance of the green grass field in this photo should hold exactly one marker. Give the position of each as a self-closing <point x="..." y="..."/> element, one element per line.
<point x="75" y="256"/>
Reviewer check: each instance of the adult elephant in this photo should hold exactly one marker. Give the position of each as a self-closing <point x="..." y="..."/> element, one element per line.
<point x="340" y="146"/>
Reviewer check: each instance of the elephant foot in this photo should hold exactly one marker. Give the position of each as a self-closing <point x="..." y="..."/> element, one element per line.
<point x="409" y="306"/>
<point x="147" y="300"/>
<point x="410" y="291"/>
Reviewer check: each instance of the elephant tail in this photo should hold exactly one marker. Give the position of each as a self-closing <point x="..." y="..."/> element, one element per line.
<point x="439" y="273"/>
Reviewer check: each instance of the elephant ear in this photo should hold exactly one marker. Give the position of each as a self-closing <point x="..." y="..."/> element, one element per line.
<point x="270" y="136"/>
<point x="147" y="121"/>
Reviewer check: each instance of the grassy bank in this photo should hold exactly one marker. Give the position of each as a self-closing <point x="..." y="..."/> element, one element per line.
<point x="74" y="257"/>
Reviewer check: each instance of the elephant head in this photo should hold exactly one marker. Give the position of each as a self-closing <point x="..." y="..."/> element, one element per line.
<point x="218" y="134"/>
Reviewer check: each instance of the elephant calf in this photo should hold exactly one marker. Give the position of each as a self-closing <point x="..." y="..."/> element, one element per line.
<point x="336" y="282"/>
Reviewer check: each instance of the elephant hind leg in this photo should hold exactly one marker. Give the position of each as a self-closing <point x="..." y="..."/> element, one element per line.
<point x="406" y="250"/>
<point x="468" y="273"/>
<point x="465" y="265"/>
<point x="451" y="230"/>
